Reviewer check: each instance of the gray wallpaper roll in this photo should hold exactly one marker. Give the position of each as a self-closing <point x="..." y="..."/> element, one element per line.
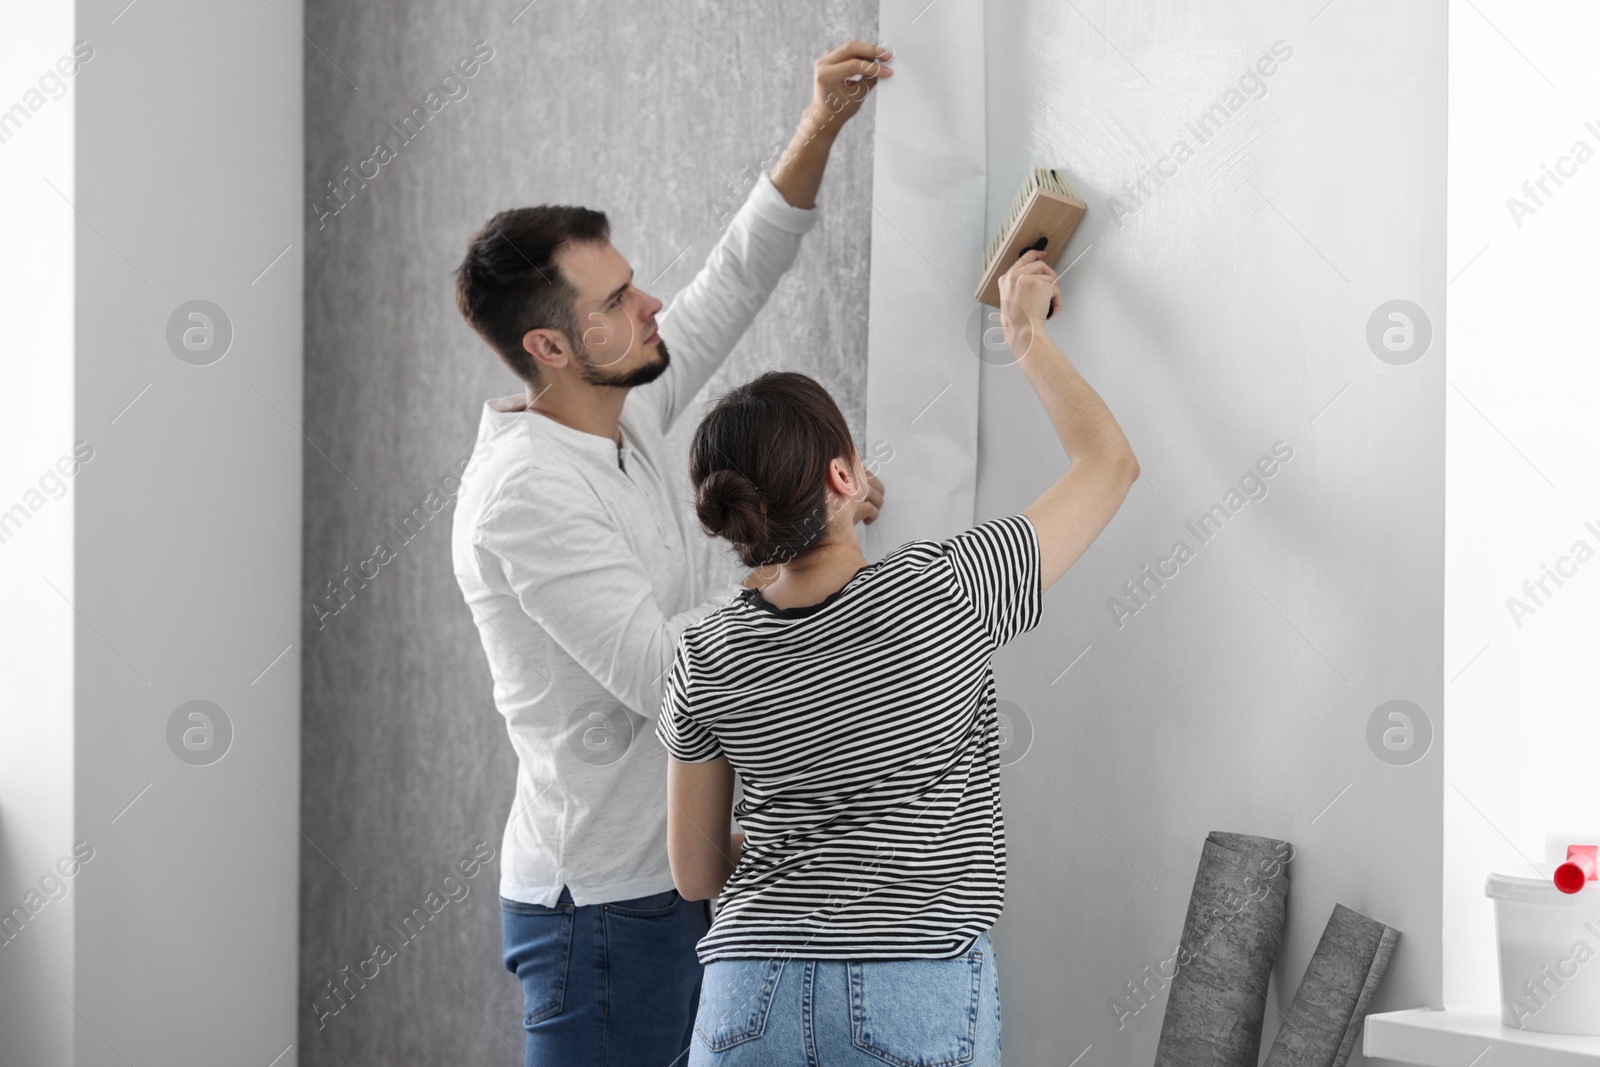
<point x="1231" y="937"/>
<point x="1324" y="1021"/>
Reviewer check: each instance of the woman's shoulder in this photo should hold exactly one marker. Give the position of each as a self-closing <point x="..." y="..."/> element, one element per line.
<point x="985" y="535"/>
<point x="923" y="556"/>
<point x="713" y="622"/>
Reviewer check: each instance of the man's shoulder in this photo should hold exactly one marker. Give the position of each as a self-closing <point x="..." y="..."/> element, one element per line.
<point x="535" y="481"/>
<point x="518" y="480"/>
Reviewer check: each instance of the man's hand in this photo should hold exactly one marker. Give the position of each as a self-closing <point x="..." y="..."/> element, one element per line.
<point x="1028" y="292"/>
<point x="840" y="84"/>
<point x="868" y="509"/>
<point x="842" y="80"/>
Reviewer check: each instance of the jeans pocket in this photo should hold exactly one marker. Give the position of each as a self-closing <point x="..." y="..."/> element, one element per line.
<point x="917" y="1013"/>
<point x="734" y="998"/>
<point x="652" y="906"/>
<point x="538" y="948"/>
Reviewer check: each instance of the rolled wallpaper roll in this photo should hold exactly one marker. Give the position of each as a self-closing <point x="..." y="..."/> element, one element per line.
<point x="1324" y="1022"/>
<point x="1231" y="937"/>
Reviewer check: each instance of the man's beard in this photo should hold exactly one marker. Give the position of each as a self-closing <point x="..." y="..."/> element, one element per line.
<point x="641" y="375"/>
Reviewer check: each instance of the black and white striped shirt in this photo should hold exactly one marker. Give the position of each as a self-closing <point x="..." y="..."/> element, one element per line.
<point x="864" y="731"/>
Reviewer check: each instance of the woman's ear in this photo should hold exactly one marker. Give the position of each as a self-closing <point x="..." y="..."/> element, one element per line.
<point x="844" y="478"/>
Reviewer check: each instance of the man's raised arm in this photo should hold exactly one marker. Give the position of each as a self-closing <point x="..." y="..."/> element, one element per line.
<point x="707" y="317"/>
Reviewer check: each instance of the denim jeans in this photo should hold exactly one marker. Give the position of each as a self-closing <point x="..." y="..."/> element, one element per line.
<point x="606" y="985"/>
<point x="806" y="1013"/>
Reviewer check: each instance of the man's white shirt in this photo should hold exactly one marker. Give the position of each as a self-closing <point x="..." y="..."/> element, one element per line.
<point x="579" y="563"/>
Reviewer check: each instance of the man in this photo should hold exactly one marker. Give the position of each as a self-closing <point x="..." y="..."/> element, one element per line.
<point x="581" y="573"/>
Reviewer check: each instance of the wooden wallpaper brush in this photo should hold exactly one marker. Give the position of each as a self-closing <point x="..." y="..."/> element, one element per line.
<point x="1042" y="216"/>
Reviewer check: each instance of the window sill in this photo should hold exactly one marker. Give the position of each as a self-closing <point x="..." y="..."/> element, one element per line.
<point x="1454" y="1038"/>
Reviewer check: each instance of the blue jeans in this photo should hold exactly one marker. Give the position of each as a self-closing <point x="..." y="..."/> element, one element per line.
<point x="825" y="1013"/>
<point x="606" y="985"/>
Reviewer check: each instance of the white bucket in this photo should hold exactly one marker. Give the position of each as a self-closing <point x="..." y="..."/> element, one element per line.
<point x="1549" y="952"/>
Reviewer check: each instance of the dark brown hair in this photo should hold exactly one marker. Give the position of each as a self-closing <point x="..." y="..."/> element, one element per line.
<point x="759" y="463"/>
<point x="509" y="283"/>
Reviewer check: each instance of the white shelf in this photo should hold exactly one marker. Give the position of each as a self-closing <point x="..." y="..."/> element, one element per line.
<point x="1456" y="1038"/>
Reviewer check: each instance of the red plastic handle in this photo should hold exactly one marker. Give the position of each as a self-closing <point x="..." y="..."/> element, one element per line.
<point x="1580" y="868"/>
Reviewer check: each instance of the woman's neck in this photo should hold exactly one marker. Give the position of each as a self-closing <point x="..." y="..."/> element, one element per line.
<point x="817" y="575"/>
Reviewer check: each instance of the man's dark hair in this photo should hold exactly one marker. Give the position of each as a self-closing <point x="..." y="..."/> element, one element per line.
<point x="509" y="283"/>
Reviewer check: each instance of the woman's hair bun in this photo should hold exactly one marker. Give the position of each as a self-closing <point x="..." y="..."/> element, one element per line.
<point x="759" y="465"/>
<point x="730" y="506"/>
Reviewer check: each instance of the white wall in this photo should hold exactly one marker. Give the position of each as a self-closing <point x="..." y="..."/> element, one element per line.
<point x="190" y="149"/>
<point x="1522" y="464"/>
<point x="177" y="143"/>
<point x="1227" y="312"/>
<point x="36" y="627"/>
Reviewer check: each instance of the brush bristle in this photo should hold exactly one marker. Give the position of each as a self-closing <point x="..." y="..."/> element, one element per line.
<point x="1038" y="178"/>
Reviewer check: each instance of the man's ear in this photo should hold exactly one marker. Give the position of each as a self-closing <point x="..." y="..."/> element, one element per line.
<point x="549" y="348"/>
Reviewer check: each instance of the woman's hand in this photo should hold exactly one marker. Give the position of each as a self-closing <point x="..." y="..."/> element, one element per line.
<point x="1029" y="291"/>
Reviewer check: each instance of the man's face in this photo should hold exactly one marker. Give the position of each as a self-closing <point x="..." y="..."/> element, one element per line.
<point x="617" y="343"/>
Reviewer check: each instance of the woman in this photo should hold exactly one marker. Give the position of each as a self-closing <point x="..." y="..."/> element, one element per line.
<point x="857" y="703"/>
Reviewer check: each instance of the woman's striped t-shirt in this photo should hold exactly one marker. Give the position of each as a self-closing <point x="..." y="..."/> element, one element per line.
<point x="864" y="731"/>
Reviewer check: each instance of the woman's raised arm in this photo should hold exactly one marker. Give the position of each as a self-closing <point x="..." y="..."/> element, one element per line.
<point x="1071" y="513"/>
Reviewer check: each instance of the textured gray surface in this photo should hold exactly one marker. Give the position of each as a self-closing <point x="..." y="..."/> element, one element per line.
<point x="655" y="112"/>
<point x="1231" y="936"/>
<point x="1323" y="1026"/>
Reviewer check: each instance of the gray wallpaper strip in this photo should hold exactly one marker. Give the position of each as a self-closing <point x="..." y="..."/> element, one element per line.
<point x="660" y="113"/>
